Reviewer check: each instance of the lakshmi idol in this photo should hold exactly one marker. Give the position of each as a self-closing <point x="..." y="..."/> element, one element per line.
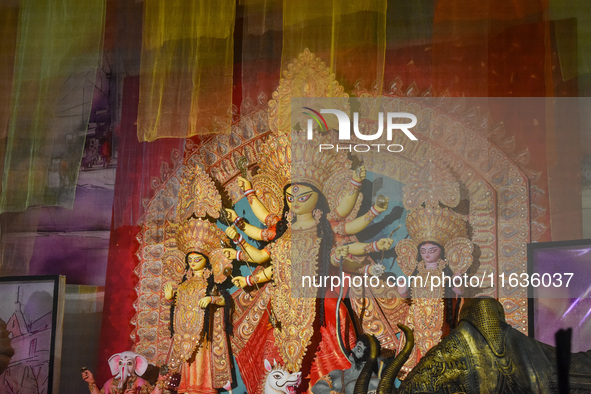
<point x="318" y="192"/>
<point x="201" y="311"/>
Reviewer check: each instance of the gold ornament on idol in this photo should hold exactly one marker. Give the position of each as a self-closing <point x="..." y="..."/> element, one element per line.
<point x="431" y="186"/>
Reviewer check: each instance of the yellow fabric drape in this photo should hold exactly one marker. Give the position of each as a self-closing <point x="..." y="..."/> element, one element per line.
<point x="349" y="35"/>
<point x="261" y="51"/>
<point x="57" y="53"/>
<point x="186" y="68"/>
<point x="8" y="28"/>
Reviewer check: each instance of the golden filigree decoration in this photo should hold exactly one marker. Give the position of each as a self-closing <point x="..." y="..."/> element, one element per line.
<point x="249" y="308"/>
<point x="430" y="184"/>
<point x="309" y="165"/>
<point x="296" y="311"/>
<point x="459" y="255"/>
<point x="221" y="361"/>
<point x="495" y="188"/>
<point x="159" y="259"/>
<point x="275" y="164"/>
<point x="197" y="235"/>
<point x="201" y="236"/>
<point x="306" y="76"/>
<point x="406" y="252"/>
<point x="197" y="195"/>
<point x="425" y="318"/>
<point x="379" y="310"/>
<point x="287" y="156"/>
<point x="188" y="322"/>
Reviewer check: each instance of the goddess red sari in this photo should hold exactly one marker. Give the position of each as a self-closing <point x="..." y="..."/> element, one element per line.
<point x="298" y="340"/>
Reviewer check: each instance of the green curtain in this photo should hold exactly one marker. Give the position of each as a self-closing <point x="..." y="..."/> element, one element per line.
<point x="186" y="68"/>
<point x="57" y="53"/>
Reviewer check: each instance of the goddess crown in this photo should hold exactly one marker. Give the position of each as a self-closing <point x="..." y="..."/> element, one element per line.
<point x="197" y="235"/>
<point x="435" y="224"/>
<point x="296" y="160"/>
<point x="430" y="185"/>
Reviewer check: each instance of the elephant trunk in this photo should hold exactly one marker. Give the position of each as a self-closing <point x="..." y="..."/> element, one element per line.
<point x="124" y="376"/>
<point x="362" y="383"/>
<point x="386" y="385"/>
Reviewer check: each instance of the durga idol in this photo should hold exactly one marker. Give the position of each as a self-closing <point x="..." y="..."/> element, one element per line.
<point x="301" y="240"/>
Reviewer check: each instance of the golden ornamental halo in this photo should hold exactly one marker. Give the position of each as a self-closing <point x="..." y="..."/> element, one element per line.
<point x="312" y="166"/>
<point x="274" y="161"/>
<point x="439" y="225"/>
<point x="306" y="76"/>
<point x="197" y="194"/>
<point x="286" y="156"/>
<point x="197" y="235"/>
<point x="431" y="183"/>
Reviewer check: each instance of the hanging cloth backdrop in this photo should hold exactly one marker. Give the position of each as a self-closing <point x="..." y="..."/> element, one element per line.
<point x="8" y="29"/>
<point x="186" y="68"/>
<point x="57" y="53"/>
<point x="350" y="36"/>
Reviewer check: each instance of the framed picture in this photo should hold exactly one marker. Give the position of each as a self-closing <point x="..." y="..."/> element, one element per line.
<point x="562" y="296"/>
<point x="33" y="309"/>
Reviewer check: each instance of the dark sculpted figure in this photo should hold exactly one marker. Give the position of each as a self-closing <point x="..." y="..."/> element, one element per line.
<point x="484" y="354"/>
<point x="343" y="381"/>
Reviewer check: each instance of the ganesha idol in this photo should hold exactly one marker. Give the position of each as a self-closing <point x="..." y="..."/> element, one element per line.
<point x="126" y="367"/>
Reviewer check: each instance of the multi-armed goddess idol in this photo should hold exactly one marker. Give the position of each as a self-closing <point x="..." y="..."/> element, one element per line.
<point x="320" y="193"/>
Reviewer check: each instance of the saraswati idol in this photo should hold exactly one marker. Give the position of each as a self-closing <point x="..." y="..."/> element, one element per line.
<point x="438" y="245"/>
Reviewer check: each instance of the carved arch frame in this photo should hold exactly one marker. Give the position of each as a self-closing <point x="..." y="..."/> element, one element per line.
<point x="497" y="188"/>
